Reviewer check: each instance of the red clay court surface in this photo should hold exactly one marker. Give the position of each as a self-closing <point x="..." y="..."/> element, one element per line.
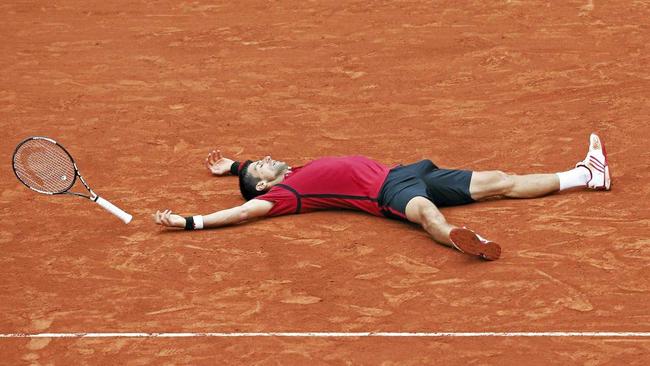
<point x="140" y="92"/>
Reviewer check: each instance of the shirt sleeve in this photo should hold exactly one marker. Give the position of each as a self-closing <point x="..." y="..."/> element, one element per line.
<point x="284" y="201"/>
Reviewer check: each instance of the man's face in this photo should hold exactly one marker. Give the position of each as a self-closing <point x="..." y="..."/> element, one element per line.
<point x="267" y="169"/>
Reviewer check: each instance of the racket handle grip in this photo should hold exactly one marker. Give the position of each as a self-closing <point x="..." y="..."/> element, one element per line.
<point x="114" y="210"/>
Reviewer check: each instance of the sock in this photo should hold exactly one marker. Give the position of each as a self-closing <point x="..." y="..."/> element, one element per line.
<point x="577" y="177"/>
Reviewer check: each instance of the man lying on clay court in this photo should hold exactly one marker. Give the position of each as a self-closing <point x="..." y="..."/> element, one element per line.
<point x="408" y="192"/>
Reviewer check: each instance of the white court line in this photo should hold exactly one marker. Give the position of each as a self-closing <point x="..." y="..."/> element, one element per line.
<point x="326" y="334"/>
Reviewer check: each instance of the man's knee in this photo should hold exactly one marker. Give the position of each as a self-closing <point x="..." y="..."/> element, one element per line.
<point x="503" y="182"/>
<point x="422" y="211"/>
<point x="492" y="183"/>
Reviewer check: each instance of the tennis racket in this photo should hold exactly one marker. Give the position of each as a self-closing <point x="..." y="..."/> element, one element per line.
<point x="43" y="165"/>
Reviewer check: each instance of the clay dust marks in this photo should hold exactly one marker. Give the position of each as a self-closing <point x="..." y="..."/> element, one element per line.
<point x="410" y="265"/>
<point x="574" y="299"/>
<point x="36" y="344"/>
<point x="300" y="299"/>
<point x="587" y="8"/>
<point x="301" y="241"/>
<point x="396" y="300"/>
<point x="6" y="237"/>
<point x="76" y="46"/>
<point x="41" y="324"/>
<point x="170" y="310"/>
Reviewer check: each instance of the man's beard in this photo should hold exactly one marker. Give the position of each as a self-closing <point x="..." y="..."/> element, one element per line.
<point x="281" y="168"/>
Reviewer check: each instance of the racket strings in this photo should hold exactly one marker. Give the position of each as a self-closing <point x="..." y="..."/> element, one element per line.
<point x="44" y="166"/>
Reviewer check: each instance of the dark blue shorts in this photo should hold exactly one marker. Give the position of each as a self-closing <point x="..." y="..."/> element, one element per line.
<point x="443" y="187"/>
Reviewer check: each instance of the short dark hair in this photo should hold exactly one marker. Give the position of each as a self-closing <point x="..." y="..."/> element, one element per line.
<point x="248" y="183"/>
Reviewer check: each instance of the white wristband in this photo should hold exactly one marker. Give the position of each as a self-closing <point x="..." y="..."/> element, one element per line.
<point x="198" y="222"/>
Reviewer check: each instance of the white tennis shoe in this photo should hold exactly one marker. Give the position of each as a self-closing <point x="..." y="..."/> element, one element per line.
<point x="597" y="164"/>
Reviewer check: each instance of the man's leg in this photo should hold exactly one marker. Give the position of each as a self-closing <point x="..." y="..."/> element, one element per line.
<point x="497" y="183"/>
<point x="422" y="211"/>
<point x="592" y="172"/>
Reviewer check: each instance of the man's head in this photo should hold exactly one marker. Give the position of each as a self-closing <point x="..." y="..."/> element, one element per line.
<point x="257" y="177"/>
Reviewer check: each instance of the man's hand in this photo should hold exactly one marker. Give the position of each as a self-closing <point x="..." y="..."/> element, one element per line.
<point x="217" y="164"/>
<point x="167" y="218"/>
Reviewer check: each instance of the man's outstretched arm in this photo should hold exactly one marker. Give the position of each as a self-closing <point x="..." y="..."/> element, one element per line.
<point x="249" y="210"/>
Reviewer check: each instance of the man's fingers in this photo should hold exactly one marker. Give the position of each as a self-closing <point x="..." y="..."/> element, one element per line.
<point x="158" y="217"/>
<point x="216" y="163"/>
<point x="165" y="217"/>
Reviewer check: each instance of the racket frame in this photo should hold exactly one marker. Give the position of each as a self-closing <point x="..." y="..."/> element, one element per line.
<point x="105" y="204"/>
<point x="93" y="196"/>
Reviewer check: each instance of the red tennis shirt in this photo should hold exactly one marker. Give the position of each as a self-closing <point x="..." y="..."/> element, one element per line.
<point x="351" y="182"/>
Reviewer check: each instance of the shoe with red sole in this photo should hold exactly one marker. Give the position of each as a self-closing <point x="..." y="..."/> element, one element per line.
<point x="468" y="242"/>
